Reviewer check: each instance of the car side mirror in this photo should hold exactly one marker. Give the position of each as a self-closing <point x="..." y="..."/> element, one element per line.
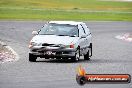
<point x="83" y="36"/>
<point x="34" y="32"/>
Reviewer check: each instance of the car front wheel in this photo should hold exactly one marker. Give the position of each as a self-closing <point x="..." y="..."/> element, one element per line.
<point x="32" y="57"/>
<point x="77" y="56"/>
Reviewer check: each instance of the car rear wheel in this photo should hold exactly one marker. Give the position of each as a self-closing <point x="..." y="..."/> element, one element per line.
<point x="32" y="57"/>
<point x="86" y="57"/>
<point x="77" y="56"/>
<point x="91" y="49"/>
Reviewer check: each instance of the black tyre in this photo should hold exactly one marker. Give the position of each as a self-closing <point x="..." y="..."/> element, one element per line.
<point x="91" y="47"/>
<point x="32" y="57"/>
<point x="86" y="57"/>
<point x="77" y="56"/>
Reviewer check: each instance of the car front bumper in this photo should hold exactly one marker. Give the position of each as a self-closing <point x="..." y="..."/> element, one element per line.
<point x="53" y="52"/>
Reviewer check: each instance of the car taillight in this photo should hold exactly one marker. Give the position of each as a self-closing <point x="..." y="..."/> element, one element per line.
<point x="72" y="46"/>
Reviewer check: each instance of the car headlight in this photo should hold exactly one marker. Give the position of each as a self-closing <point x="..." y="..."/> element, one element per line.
<point x="34" y="44"/>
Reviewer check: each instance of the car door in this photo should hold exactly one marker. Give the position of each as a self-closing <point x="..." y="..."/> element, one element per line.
<point x="82" y="41"/>
<point x="87" y="31"/>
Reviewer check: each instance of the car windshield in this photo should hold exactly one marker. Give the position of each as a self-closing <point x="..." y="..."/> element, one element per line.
<point x="59" y="30"/>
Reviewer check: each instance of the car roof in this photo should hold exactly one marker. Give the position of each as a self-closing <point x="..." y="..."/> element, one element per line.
<point x="66" y="22"/>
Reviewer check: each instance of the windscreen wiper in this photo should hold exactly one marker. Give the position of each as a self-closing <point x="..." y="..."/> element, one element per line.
<point x="46" y="34"/>
<point x="63" y="35"/>
<point x="68" y="35"/>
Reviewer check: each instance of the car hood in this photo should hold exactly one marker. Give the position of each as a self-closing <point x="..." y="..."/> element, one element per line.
<point x="54" y="39"/>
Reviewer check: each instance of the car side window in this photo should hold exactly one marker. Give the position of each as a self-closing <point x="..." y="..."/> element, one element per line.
<point x="81" y="30"/>
<point x="86" y="28"/>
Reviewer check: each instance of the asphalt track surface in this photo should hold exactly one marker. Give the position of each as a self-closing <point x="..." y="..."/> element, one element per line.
<point x="110" y="55"/>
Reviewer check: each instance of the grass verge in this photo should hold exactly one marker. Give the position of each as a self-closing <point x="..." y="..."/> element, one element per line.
<point x="27" y="14"/>
<point x="94" y="10"/>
